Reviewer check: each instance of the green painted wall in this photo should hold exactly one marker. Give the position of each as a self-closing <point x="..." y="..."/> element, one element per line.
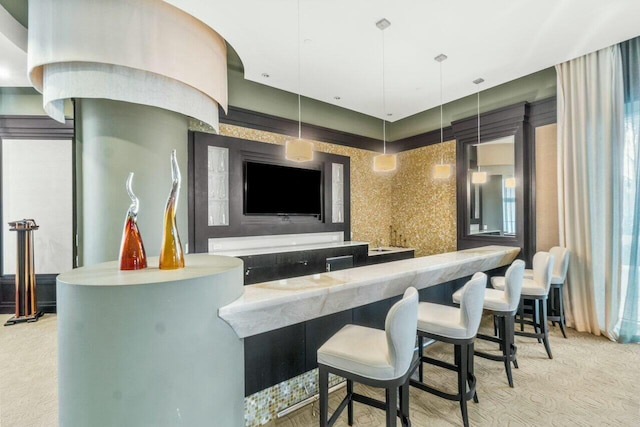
<point x="533" y="87"/>
<point x="112" y="139"/>
<point x="19" y="9"/>
<point x="25" y="101"/>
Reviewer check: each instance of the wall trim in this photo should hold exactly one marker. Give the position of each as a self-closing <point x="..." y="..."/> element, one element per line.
<point x="541" y="113"/>
<point x="266" y="122"/>
<point x="422" y="140"/>
<point x="35" y="127"/>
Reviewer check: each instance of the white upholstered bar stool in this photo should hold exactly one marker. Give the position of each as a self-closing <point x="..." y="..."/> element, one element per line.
<point x="561" y="258"/>
<point x="457" y="326"/>
<point x="537" y="290"/>
<point x="374" y="357"/>
<point x="503" y="304"/>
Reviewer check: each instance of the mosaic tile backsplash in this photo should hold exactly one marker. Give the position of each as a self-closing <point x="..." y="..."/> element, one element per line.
<point x="407" y="207"/>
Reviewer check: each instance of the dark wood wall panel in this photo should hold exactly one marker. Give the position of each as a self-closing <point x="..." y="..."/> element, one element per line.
<point x="246" y="225"/>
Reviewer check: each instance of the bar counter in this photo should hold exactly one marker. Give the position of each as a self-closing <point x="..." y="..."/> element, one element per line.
<point x="272" y="305"/>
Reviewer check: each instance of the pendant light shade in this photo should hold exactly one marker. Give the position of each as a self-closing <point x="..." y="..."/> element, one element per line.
<point x="384" y="162"/>
<point x="442" y="170"/>
<point x="510" y="182"/>
<point x="478" y="177"/>
<point x="298" y="150"/>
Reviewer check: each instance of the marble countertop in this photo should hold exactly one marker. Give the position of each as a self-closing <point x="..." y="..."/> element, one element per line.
<point x="288" y="248"/>
<point x="109" y="273"/>
<point x="387" y="250"/>
<point x="272" y="305"/>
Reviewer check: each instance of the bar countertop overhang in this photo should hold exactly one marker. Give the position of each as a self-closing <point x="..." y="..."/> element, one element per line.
<point x="272" y="305"/>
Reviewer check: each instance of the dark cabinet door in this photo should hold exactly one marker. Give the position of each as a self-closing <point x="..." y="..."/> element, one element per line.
<point x="374" y="315"/>
<point x="383" y="257"/>
<point x="273" y="357"/>
<point x="318" y="331"/>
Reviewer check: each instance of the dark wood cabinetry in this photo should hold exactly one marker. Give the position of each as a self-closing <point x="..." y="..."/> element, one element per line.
<point x="263" y="268"/>
<point x="388" y="257"/>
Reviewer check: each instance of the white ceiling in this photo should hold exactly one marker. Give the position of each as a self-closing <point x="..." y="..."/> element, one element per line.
<point x="498" y="40"/>
<point x="341" y="48"/>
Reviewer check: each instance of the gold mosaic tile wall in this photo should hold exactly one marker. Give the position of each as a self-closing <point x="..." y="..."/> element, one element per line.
<point x="424" y="208"/>
<point x="371" y="210"/>
<point x="407" y="205"/>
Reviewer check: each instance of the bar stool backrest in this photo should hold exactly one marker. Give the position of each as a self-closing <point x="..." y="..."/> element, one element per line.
<point x="401" y="325"/>
<point x="513" y="283"/>
<point x="542" y="269"/>
<point x="472" y="303"/>
<point x="561" y="261"/>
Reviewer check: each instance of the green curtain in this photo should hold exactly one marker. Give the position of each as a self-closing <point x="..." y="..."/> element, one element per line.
<point x="629" y="327"/>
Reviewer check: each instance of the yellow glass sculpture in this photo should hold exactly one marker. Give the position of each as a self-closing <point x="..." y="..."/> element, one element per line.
<point x="171" y="255"/>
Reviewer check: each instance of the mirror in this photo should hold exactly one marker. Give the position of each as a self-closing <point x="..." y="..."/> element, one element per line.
<point x="491" y="187"/>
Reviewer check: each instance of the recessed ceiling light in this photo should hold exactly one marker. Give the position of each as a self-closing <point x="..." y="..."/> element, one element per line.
<point x="389" y="114"/>
<point x="337" y="98"/>
<point x="440" y="57"/>
<point x="478" y="81"/>
<point x="4" y="73"/>
<point x="265" y="75"/>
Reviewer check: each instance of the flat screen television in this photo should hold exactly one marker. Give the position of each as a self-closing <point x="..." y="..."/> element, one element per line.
<point x="271" y="189"/>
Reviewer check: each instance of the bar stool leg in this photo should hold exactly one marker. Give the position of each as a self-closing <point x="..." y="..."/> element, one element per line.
<point x="462" y="354"/>
<point x="561" y="309"/>
<point x="470" y="350"/>
<point x="404" y="404"/>
<point x="391" y="395"/>
<point x="323" y="379"/>
<point x="521" y="313"/>
<point x="350" y="404"/>
<point x="507" y="333"/>
<point x="420" y="354"/>
<point x="545" y="327"/>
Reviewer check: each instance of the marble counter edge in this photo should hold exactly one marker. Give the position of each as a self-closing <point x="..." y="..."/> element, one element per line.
<point x="288" y="248"/>
<point x="389" y="250"/>
<point x="272" y="305"/>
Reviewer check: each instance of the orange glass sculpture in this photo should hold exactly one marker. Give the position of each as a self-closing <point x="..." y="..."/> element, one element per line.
<point x="132" y="254"/>
<point x="171" y="256"/>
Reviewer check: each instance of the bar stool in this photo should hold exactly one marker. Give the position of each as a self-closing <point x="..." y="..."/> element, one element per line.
<point x="457" y="326"/>
<point x="556" y="293"/>
<point x="537" y="290"/>
<point x="374" y="357"/>
<point x="503" y="304"/>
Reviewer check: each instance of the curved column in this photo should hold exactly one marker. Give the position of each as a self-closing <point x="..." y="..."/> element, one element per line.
<point x="146" y="347"/>
<point x="115" y="138"/>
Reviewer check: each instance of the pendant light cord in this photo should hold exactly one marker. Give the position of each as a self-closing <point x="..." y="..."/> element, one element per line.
<point x="478" y="113"/>
<point x="479" y="121"/>
<point x="441" y="130"/>
<point x="384" y="104"/>
<point x="299" y="72"/>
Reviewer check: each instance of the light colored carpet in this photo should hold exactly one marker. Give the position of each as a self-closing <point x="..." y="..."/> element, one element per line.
<point x="590" y="382"/>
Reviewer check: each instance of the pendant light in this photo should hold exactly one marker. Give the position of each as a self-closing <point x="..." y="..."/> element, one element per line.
<point x="442" y="170"/>
<point x="384" y="162"/>
<point x="478" y="177"/>
<point x="297" y="149"/>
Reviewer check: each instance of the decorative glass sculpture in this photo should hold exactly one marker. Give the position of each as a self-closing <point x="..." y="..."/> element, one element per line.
<point x="171" y="256"/>
<point x="132" y="254"/>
